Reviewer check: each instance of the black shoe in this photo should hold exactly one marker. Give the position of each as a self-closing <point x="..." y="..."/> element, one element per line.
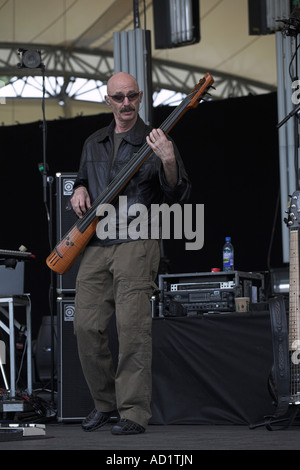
<point x="126" y="426"/>
<point x="97" y="419"/>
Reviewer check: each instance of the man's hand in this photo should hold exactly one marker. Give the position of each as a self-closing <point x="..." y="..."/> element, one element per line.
<point x="80" y="201"/>
<point x="164" y="149"/>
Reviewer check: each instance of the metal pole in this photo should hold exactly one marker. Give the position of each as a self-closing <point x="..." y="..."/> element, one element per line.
<point x="132" y="54"/>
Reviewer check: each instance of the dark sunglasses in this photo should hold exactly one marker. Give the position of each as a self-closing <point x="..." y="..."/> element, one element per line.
<point x="119" y="98"/>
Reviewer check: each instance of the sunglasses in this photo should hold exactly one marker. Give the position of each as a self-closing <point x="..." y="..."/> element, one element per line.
<point x="119" y="98"/>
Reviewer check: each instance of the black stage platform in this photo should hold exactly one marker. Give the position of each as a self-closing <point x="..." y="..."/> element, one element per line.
<point x="165" y="440"/>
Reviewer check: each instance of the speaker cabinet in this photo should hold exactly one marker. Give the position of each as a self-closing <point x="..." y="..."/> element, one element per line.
<point x="66" y="218"/>
<point x="257" y="17"/>
<point x="74" y="401"/>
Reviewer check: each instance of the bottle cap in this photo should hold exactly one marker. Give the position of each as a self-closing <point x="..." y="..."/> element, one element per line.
<point x="215" y="270"/>
<point x="228" y="239"/>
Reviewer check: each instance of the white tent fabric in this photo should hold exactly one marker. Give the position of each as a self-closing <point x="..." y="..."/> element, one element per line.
<point x="225" y="44"/>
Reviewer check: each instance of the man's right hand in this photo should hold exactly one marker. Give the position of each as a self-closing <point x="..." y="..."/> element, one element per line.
<point x="80" y="201"/>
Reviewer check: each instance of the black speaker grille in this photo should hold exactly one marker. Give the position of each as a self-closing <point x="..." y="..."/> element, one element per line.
<point x="74" y="401"/>
<point x="66" y="218"/>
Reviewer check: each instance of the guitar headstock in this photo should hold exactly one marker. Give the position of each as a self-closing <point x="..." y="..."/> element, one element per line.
<point x="200" y="90"/>
<point x="293" y="219"/>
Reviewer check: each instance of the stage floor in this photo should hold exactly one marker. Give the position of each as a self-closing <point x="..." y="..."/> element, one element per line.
<point x="164" y="440"/>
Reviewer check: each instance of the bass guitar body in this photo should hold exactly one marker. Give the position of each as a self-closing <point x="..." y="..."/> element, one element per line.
<point x="70" y="247"/>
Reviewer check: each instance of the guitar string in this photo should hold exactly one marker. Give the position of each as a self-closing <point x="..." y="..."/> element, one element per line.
<point x="293" y="320"/>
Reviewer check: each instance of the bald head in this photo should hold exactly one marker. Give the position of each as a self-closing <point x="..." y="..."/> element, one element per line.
<point x="121" y="80"/>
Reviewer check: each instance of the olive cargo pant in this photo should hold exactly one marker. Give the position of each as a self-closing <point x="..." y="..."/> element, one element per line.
<point x="117" y="278"/>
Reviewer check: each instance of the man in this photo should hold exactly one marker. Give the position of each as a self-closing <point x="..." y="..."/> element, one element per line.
<point x="117" y="274"/>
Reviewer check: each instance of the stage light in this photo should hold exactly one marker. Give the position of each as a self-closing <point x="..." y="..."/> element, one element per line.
<point x="176" y="23"/>
<point x="30" y="59"/>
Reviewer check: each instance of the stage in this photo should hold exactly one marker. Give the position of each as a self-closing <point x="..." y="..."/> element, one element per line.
<point x="174" y="439"/>
<point x="210" y="376"/>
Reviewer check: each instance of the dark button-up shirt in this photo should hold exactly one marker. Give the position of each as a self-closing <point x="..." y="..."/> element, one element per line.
<point x="147" y="186"/>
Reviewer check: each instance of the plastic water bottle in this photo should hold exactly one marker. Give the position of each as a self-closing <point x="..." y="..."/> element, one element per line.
<point x="228" y="255"/>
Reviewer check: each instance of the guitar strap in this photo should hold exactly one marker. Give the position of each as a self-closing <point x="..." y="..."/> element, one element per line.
<point x="279" y="385"/>
<point x="281" y="368"/>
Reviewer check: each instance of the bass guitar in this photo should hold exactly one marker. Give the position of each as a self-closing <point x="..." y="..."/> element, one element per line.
<point x="75" y="240"/>
<point x="294" y="301"/>
<point x="284" y="379"/>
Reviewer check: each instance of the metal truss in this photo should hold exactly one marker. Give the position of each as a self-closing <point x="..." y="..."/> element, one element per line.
<point x="182" y="78"/>
<point x="79" y="74"/>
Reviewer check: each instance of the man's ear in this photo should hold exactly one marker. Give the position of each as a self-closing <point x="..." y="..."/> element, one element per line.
<point x="107" y="100"/>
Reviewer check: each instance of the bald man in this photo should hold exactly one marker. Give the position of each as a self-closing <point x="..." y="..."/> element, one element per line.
<point x="117" y="272"/>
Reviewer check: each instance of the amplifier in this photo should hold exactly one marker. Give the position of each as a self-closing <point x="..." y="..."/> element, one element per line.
<point x="66" y="218"/>
<point x="74" y="401"/>
<point x="196" y="293"/>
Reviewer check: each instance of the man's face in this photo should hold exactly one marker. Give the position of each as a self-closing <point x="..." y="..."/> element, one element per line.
<point x="124" y="98"/>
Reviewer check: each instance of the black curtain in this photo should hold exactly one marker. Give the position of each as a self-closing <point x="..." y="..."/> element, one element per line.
<point x="212" y="369"/>
<point x="230" y="150"/>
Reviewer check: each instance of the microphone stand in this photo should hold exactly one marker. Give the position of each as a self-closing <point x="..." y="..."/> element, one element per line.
<point x="291" y="114"/>
<point x="49" y="211"/>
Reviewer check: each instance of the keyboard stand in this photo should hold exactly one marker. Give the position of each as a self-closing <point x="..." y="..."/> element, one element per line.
<point x="7" y="305"/>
